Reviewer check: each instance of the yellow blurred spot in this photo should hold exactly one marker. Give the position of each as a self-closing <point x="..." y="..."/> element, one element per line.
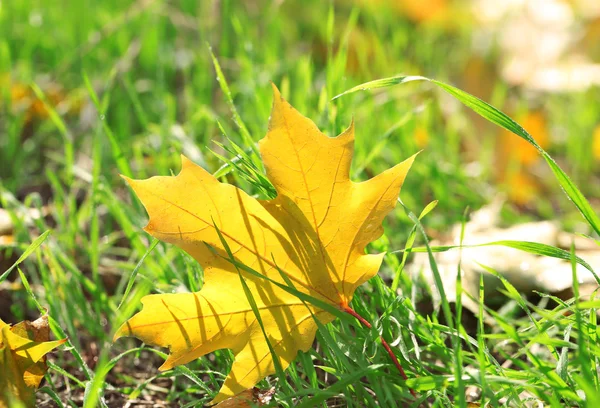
<point x="419" y="11"/>
<point x="521" y="188"/>
<point x="7" y="239"/>
<point x="479" y="77"/>
<point x="421" y="137"/>
<point x="24" y="101"/>
<point x="518" y="149"/>
<point x="596" y="143"/>
<point x="423" y="10"/>
<point x="517" y="157"/>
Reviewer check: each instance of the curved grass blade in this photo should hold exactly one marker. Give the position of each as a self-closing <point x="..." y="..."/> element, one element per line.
<point x="291" y="290"/>
<point x="499" y="118"/>
<point x="254" y="306"/>
<point x="34" y="245"/>
<point x="525" y="246"/>
<point x="133" y="275"/>
<point x="338" y="386"/>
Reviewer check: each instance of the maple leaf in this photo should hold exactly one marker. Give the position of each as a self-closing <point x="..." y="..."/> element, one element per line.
<point x="314" y="233"/>
<point x="22" y="359"/>
<point x="252" y="398"/>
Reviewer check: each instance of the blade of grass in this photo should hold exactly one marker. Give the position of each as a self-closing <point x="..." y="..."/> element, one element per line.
<point x="525" y="246"/>
<point x="409" y="245"/>
<point x="436" y="273"/>
<point x="246" y="137"/>
<point x="34" y="245"/>
<point x="300" y="295"/>
<point x="69" y="150"/>
<point x="499" y="118"/>
<point x="117" y="152"/>
<point x="375" y="369"/>
<point x="254" y="306"/>
<point x="131" y="280"/>
<point x="459" y="385"/>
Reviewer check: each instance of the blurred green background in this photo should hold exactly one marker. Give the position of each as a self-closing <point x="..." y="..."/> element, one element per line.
<point x="149" y="63"/>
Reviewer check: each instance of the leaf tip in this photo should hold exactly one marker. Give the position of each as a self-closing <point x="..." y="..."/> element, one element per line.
<point x="185" y="161"/>
<point x="276" y="110"/>
<point x="167" y="365"/>
<point x="129" y="180"/>
<point x="123" y="331"/>
<point x="276" y="93"/>
<point x="412" y="158"/>
<point x="349" y="132"/>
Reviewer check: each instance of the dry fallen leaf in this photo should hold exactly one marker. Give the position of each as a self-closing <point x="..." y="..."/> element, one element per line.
<point x="22" y="360"/>
<point x="525" y="271"/>
<point x="314" y="232"/>
<point x="25" y="215"/>
<point x="24" y="101"/>
<point x="539" y="42"/>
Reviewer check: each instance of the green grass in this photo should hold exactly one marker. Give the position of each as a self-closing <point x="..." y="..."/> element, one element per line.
<point x="143" y="88"/>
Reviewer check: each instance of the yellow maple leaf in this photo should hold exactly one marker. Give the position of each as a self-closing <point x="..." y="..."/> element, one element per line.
<point x="252" y="398"/>
<point x="314" y="232"/>
<point x="22" y="360"/>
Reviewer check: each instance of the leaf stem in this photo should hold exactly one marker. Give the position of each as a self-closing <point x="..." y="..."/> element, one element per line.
<point x="385" y="344"/>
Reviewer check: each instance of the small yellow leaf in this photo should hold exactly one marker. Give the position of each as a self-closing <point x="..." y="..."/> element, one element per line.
<point x="22" y="359"/>
<point x="314" y="232"/>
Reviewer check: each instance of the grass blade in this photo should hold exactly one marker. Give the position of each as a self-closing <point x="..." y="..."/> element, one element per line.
<point x="34" y="245"/>
<point x="499" y="118"/>
<point x="131" y="280"/>
<point x="525" y="246"/>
